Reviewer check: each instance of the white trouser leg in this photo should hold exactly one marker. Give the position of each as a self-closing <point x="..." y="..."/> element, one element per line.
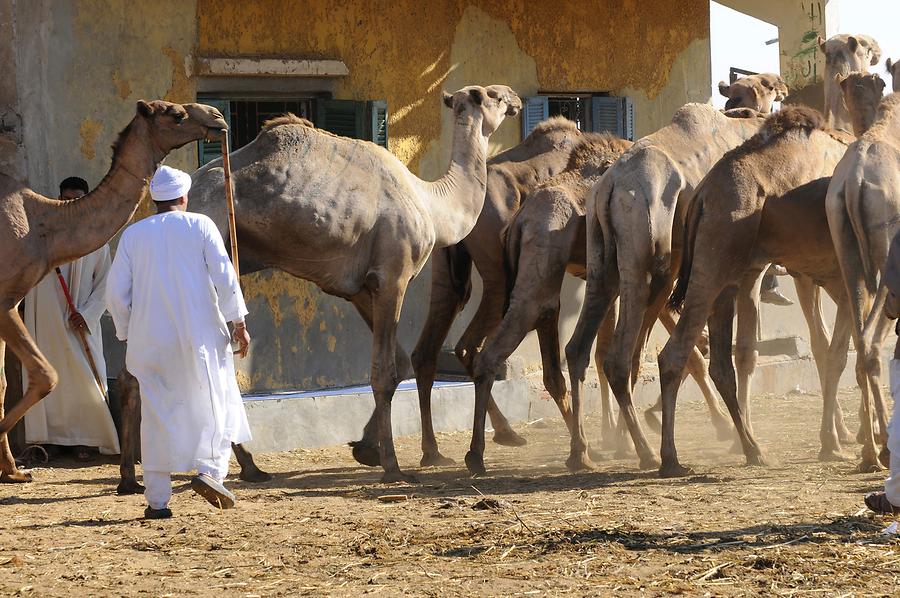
<point x="892" y="484"/>
<point x="217" y="467"/>
<point x="158" y="488"/>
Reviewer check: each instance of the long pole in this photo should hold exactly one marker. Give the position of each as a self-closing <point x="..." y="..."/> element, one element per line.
<point x="81" y="335"/>
<point x="229" y="199"/>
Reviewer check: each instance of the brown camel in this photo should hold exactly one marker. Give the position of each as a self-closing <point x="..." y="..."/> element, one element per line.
<point x="861" y="94"/>
<point x="511" y="177"/>
<point x="364" y="225"/>
<point x="730" y="239"/>
<point x="38" y="233"/>
<point x="758" y="92"/>
<point x="633" y="215"/>
<point x="129" y="393"/>
<point x="894" y="69"/>
<point x="863" y="213"/>
<point x="844" y="54"/>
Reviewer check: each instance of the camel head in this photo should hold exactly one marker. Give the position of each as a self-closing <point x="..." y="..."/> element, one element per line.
<point x="174" y="125"/>
<point x="847" y="53"/>
<point x="492" y="103"/>
<point x="755" y="91"/>
<point x="860" y="87"/>
<point x="894" y="69"/>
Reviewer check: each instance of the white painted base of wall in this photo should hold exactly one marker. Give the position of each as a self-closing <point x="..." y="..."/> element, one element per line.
<point x="285" y="422"/>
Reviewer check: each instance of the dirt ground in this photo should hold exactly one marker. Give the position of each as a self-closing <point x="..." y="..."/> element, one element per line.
<point x="529" y="528"/>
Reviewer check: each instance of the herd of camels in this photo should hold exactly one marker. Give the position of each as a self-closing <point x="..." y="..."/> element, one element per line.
<point x="685" y="220"/>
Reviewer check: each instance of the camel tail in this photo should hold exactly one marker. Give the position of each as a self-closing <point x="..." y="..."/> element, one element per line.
<point x="601" y="199"/>
<point x="459" y="264"/>
<point x="692" y="224"/>
<point x="511" y="238"/>
<point x="853" y="197"/>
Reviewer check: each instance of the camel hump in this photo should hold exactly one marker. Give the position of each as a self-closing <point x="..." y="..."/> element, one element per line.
<point x="286" y="119"/>
<point x="552" y="125"/>
<point x="593" y="148"/>
<point x="791" y="118"/>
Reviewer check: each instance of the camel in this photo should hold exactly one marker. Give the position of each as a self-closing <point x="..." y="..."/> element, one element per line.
<point x="863" y="214"/>
<point x="362" y="224"/>
<point x="844" y="54"/>
<point x="758" y="92"/>
<point x="511" y="177"/>
<point x="894" y="69"/>
<point x="38" y="233"/>
<point x="861" y="94"/>
<point x="130" y="396"/>
<point x="756" y="206"/>
<point x="633" y="218"/>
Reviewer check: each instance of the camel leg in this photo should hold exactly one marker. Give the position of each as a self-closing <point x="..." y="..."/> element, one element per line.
<point x="873" y="335"/>
<point x="130" y="397"/>
<point x="42" y="378"/>
<point x="250" y="472"/>
<point x="609" y="432"/>
<point x="696" y="367"/>
<point x="9" y="473"/>
<point x="451" y="268"/>
<point x="721" y="367"/>
<point x="387" y="293"/>
<point x="366" y="450"/>
<point x="836" y="360"/>
<point x="745" y="351"/>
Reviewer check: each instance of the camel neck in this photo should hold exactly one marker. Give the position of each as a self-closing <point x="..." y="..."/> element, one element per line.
<point x="456" y="199"/>
<point x="862" y="119"/>
<point x="99" y="215"/>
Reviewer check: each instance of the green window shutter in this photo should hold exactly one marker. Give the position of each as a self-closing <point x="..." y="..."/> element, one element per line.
<point x="210" y="150"/>
<point x="378" y="115"/>
<point x="342" y="117"/>
<point x="613" y="114"/>
<point x="534" y="111"/>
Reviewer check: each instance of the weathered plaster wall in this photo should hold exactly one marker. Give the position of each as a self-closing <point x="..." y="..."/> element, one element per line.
<point x="406" y="52"/>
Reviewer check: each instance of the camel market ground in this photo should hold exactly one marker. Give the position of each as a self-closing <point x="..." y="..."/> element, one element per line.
<point x="795" y="528"/>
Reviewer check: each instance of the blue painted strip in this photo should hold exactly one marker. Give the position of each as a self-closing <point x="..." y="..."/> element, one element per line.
<point x="347" y="390"/>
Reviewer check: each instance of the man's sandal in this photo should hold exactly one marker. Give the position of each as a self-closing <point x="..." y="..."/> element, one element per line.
<point x="214" y="492"/>
<point x="879" y="503"/>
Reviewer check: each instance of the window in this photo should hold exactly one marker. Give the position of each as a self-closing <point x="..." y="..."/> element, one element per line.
<point x="591" y="112"/>
<point x="246" y="115"/>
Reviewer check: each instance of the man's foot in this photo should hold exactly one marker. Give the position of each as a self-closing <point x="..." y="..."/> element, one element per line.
<point x="774" y="297"/>
<point x="879" y="503"/>
<point x="84" y="454"/>
<point x="213" y="491"/>
<point x="163" y="513"/>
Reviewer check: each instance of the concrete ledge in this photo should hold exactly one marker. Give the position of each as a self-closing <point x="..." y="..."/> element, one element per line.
<point x="286" y="421"/>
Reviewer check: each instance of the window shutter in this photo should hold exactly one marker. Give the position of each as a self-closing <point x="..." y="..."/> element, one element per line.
<point x="378" y="115"/>
<point x="210" y="150"/>
<point x="342" y="117"/>
<point x="534" y="111"/>
<point x="613" y="114"/>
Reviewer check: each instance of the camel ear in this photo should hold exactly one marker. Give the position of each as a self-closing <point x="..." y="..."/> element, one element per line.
<point x="881" y="83"/>
<point x="852" y="43"/>
<point x="724" y="89"/>
<point x="144" y="109"/>
<point x="476" y="96"/>
<point x="889" y="65"/>
<point x="839" y="79"/>
<point x="448" y="100"/>
<point x="821" y="41"/>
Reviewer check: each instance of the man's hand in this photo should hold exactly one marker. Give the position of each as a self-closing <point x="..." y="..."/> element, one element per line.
<point x="242" y="338"/>
<point x="76" y="322"/>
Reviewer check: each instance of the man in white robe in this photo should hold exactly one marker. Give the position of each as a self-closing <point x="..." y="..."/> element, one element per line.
<point x="75" y="414"/>
<point x="171" y="291"/>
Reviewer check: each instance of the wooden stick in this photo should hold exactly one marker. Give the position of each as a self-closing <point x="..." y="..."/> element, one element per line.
<point x="229" y="199"/>
<point x="81" y="335"/>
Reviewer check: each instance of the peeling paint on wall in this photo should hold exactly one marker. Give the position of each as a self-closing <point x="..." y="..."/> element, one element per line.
<point x="89" y="131"/>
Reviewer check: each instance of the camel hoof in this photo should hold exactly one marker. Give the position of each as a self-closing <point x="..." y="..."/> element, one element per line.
<point x="435" y="460"/>
<point x="366" y="454"/>
<point x="885" y="457"/>
<point x="580" y="462"/>
<point x="391" y="477"/>
<point x="127" y="487"/>
<point x="756" y="460"/>
<point x="846" y="437"/>
<point x="508" y="438"/>
<point x="830" y="455"/>
<point x="17" y="477"/>
<point x="869" y="465"/>
<point x="475" y="463"/>
<point x="648" y="462"/>
<point x="594" y="454"/>
<point x="255" y="475"/>
<point x="652" y="421"/>
<point x="674" y="470"/>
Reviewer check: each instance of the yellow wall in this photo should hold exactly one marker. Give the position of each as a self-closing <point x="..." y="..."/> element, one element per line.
<point x="406" y="52"/>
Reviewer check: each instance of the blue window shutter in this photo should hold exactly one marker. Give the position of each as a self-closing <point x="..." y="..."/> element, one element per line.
<point x="613" y="114"/>
<point x="210" y="150"/>
<point x="535" y="111"/>
<point x="342" y="117"/>
<point x="378" y="116"/>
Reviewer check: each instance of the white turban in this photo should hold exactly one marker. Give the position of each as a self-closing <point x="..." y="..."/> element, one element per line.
<point x="169" y="183"/>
